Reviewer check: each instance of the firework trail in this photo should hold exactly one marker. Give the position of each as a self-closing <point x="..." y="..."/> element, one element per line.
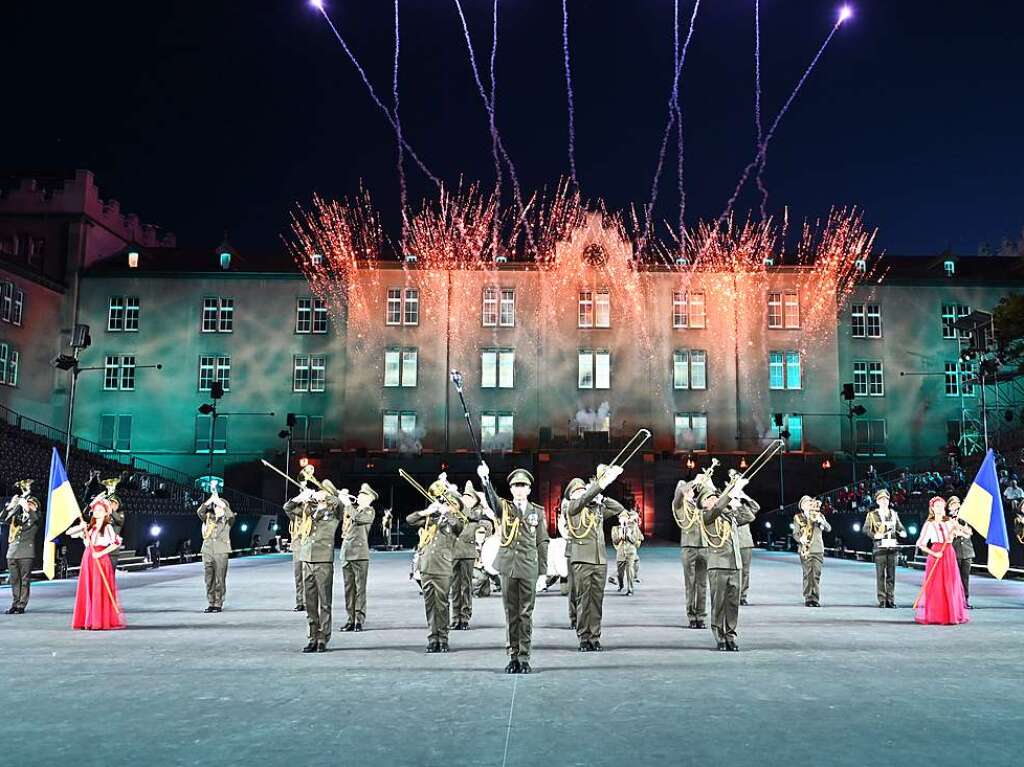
<point x="763" y="148"/>
<point x="403" y="192"/>
<point x="681" y="187"/>
<point x="757" y="106"/>
<point x="569" y="93"/>
<point x="496" y="141"/>
<point x="672" y="101"/>
<point x="492" y="115"/>
<point x="373" y="94"/>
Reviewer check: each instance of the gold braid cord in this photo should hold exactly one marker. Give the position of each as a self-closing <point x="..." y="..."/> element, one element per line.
<point x="589" y="520"/>
<point x="693" y="516"/>
<point x="14" y="532"/>
<point x="509" y="528"/>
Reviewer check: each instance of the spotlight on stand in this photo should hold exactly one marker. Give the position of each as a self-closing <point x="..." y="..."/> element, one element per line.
<point x="64" y="362"/>
<point x="858" y="410"/>
<point x="206" y="408"/>
<point x="856" y="527"/>
<point x="912" y="529"/>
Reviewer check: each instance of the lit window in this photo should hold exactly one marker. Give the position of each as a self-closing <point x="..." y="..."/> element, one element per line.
<point x="119" y="372"/>
<point x="496" y="431"/>
<point x="394" y="312"/>
<point x="497" y="369"/>
<point x="602" y="309"/>
<point x="586" y="309"/>
<point x="316" y="259"/>
<point x="950" y="314"/>
<point x="115" y="314"/>
<point x="868" y="380"/>
<point x="490" y="307"/>
<point x="691" y="431"/>
<point x="6" y="301"/>
<point x="3" y="363"/>
<point x="689" y="369"/>
<point x="225" y="260"/>
<point x="688" y="309"/>
<point x="783" y="309"/>
<point x="218" y="315"/>
<point x="400" y="431"/>
<point x="784" y="370"/>
<point x="214" y="368"/>
<point x="18" y="310"/>
<point x="595" y="369"/>
<point x="412" y="306"/>
<point x="400" y="367"/>
<point x="133" y="259"/>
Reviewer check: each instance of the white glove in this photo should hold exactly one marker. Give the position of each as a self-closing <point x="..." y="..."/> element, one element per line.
<point x="611" y="474"/>
<point x="484" y="471"/>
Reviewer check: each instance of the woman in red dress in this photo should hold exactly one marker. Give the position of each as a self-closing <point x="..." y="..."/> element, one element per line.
<point x="942" y="598"/>
<point x="97" y="605"/>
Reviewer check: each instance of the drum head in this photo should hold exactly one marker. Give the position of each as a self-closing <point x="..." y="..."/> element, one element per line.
<point x="489" y="553"/>
<point x="557" y="562"/>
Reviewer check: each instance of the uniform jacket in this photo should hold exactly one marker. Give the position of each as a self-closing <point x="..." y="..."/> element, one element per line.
<point x="683" y="511"/>
<point x="526" y="555"/>
<point x="355" y="533"/>
<point x="21" y="540"/>
<point x="586" y="516"/>
<point x="726" y="556"/>
<point x="219" y="541"/>
<point x="817" y="544"/>
<point x="438" y="553"/>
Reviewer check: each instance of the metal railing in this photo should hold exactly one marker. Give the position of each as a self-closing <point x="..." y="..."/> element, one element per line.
<point x="177" y="485"/>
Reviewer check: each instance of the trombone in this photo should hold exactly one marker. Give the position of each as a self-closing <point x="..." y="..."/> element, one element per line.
<point x="640" y="439"/>
<point x="452" y="504"/>
<point x="774" y="448"/>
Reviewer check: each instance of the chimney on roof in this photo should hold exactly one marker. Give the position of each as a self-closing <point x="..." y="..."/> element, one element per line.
<point x="225" y="253"/>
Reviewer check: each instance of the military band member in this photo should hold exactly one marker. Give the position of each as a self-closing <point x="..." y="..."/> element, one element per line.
<point x="22" y="516"/>
<point x="746" y="557"/>
<point x="562" y="523"/>
<point x="963" y="545"/>
<point x="721" y="514"/>
<point x="318" y="561"/>
<point x="808" y="525"/>
<point x="463" y="559"/>
<point x="585" y="513"/>
<point x="694" y="555"/>
<point x="355" y="555"/>
<point x="882" y="525"/>
<point x="298" y="510"/>
<point x="441" y="524"/>
<point x="522" y="556"/>
<point x="217" y="518"/>
<point x="626" y="539"/>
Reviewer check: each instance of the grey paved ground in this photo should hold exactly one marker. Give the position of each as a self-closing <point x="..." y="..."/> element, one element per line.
<point x="847" y="684"/>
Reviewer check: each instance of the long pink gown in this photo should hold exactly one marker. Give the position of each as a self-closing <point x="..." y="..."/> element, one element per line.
<point x="943" y="600"/>
<point x="94" y="608"/>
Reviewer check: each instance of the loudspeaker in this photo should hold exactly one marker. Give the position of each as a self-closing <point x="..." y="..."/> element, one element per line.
<point x="290" y="420"/>
<point x="848" y="391"/>
<point x="80" y="338"/>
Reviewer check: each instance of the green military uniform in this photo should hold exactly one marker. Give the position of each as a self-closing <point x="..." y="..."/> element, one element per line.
<point x="216" y="551"/>
<point x="298" y="520"/>
<point x="23" y="520"/>
<point x="463" y="558"/>
<point x="521" y="558"/>
<point x="438" y="543"/>
<point x="808" y="526"/>
<point x="570" y="581"/>
<point x="626" y="539"/>
<point x="355" y="557"/>
<point x="724" y="564"/>
<point x="963" y="545"/>
<point x="588" y="558"/>
<point x="883" y="531"/>
<point x="317" y="552"/>
<point x="746" y="556"/>
<point x="694" y="556"/>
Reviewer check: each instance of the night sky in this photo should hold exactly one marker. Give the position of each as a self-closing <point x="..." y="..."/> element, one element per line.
<point x="211" y="116"/>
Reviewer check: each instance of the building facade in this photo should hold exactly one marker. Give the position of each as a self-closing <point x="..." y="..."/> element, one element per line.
<point x="562" y="360"/>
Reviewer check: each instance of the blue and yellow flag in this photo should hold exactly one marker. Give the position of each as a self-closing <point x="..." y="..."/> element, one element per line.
<point x="982" y="509"/>
<point x="61" y="512"/>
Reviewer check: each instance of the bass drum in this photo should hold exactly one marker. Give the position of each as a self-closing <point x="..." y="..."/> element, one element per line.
<point x="558" y="563"/>
<point x="489" y="553"/>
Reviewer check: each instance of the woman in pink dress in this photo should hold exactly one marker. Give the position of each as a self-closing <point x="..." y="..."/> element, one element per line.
<point x="97" y="605"/>
<point x="942" y="598"/>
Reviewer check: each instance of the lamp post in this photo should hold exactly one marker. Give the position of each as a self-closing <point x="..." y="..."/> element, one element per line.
<point x="80" y="341"/>
<point x="210" y="409"/>
<point x="286" y="434"/>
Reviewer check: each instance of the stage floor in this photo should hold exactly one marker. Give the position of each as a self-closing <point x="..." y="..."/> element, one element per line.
<point x="845" y="684"/>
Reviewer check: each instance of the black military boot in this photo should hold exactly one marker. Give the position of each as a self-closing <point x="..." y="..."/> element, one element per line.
<point x="209" y="609"/>
<point x="585" y="646"/>
<point x="512" y="667"/>
<point x="721" y="645"/>
<point x="358" y="627"/>
<point x="433" y="647"/>
<point x="442" y="646"/>
<point x="524" y="667"/>
<point x="595" y="646"/>
<point x="12" y="610"/>
<point x="311" y="647"/>
<point x="299" y="609"/>
<point x="321" y="647"/>
<point x="701" y="625"/>
<point x="349" y="626"/>
<point x="731" y="645"/>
